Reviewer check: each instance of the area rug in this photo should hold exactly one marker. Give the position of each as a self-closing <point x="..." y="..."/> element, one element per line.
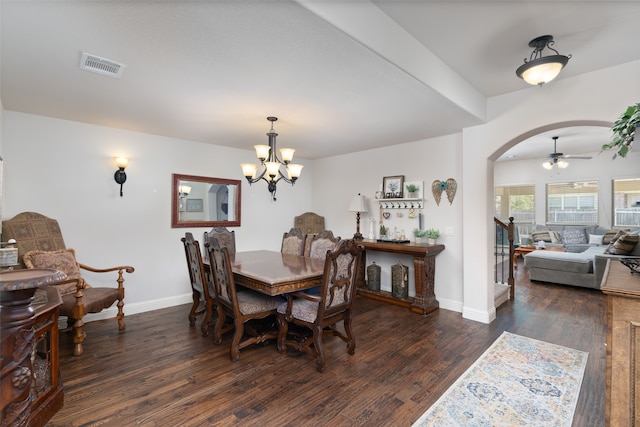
<point x="518" y="381"/>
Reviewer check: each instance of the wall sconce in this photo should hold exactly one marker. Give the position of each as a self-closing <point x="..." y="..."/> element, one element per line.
<point x="120" y="176"/>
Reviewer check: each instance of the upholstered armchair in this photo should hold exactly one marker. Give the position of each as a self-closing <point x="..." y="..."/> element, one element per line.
<point x="40" y="245"/>
<point x="320" y="313"/>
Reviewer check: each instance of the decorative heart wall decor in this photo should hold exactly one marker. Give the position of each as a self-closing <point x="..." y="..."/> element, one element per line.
<point x="386" y="215"/>
<point x="450" y="186"/>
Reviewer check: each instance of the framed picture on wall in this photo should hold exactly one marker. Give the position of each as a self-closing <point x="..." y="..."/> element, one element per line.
<point x="194" y="205"/>
<point x="392" y="186"/>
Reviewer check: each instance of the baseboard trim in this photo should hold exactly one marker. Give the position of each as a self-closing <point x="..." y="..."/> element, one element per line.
<point x="479" y="316"/>
<point x="135" y="308"/>
<point x="449" y="304"/>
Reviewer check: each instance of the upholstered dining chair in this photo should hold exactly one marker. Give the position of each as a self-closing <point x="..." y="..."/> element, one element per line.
<point x="225" y="238"/>
<point x="242" y="305"/>
<point x="40" y="245"/>
<point x="321" y="313"/>
<point x="293" y="242"/>
<point x="202" y="289"/>
<point x="321" y="243"/>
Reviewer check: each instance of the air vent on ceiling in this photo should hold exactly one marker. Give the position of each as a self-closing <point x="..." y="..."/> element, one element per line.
<point x="102" y="66"/>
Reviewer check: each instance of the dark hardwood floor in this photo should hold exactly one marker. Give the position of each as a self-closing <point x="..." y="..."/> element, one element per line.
<point x="161" y="372"/>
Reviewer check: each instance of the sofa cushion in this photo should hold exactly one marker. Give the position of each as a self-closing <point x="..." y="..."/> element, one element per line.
<point x="623" y="243"/>
<point x="63" y="260"/>
<point x="581" y="262"/>
<point x="596" y="239"/>
<point x="556" y="236"/>
<point x="574" y="235"/>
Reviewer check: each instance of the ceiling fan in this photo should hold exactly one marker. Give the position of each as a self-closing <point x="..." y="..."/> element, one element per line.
<point x="557" y="158"/>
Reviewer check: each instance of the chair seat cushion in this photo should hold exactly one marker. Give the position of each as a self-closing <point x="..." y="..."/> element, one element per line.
<point x="250" y="302"/>
<point x="63" y="260"/>
<point x="94" y="300"/>
<point x="301" y="309"/>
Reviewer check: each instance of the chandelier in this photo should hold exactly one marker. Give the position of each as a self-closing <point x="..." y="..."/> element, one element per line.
<point x="542" y="69"/>
<point x="272" y="165"/>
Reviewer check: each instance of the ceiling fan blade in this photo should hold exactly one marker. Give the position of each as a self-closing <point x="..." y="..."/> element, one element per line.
<point x="576" y="157"/>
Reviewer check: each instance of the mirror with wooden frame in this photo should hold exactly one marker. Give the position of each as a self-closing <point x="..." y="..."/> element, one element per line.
<point x="199" y="201"/>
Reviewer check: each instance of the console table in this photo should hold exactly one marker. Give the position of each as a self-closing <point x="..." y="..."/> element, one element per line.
<point x="623" y="352"/>
<point x="31" y="389"/>
<point x="424" y="267"/>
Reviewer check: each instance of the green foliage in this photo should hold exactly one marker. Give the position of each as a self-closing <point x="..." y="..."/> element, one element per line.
<point x="624" y="129"/>
<point x="419" y="233"/>
<point x="383" y="230"/>
<point x="411" y="188"/>
<point x="433" y="233"/>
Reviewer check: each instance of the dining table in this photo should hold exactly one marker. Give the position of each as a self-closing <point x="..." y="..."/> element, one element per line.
<point x="274" y="273"/>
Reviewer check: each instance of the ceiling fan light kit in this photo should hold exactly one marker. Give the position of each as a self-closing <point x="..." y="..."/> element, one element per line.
<point x="557" y="159"/>
<point x="539" y="69"/>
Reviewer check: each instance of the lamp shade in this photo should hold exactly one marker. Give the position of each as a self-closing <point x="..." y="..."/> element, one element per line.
<point x="357" y="204"/>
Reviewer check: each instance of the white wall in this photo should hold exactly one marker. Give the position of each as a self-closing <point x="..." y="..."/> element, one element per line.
<point x="600" y="168"/>
<point x="338" y="179"/>
<point x="65" y="170"/>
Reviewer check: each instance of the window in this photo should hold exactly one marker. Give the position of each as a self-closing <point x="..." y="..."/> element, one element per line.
<point x="572" y="203"/>
<point x="626" y="202"/>
<point x="516" y="202"/>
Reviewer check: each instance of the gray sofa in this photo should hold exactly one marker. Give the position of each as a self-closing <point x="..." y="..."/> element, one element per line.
<point x="584" y="269"/>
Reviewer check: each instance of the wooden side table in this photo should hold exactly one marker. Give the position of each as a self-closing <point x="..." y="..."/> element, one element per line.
<point x="30" y="388"/>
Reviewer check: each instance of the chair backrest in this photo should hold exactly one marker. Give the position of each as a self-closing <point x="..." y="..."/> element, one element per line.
<point x="293" y="242"/>
<point x="309" y="223"/>
<point x="197" y="273"/>
<point x="339" y="278"/>
<point x="321" y="243"/>
<point x="222" y="275"/>
<point x="224" y="237"/>
<point x="33" y="232"/>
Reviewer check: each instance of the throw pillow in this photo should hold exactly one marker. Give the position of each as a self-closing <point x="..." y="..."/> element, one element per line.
<point x="596" y="239"/>
<point x="624" y="244"/>
<point x="63" y="260"/>
<point x="543" y="235"/>
<point x="556" y="237"/>
<point x="573" y="236"/>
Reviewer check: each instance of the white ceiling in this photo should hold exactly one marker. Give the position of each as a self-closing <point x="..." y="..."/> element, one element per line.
<point x="341" y="76"/>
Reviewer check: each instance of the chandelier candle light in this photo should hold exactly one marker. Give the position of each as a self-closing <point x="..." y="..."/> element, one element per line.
<point x="271" y="164"/>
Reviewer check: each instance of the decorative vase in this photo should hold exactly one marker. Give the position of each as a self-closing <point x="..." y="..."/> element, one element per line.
<point x="399" y="280"/>
<point x="373" y="277"/>
<point x="432" y="241"/>
<point x="420" y="239"/>
<point x="412" y="194"/>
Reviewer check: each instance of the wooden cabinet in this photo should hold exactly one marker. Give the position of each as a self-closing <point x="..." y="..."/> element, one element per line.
<point x="31" y="389"/>
<point x="623" y="345"/>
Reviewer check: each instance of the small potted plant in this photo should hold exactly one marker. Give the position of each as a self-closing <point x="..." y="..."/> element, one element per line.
<point x="419" y="235"/>
<point x="624" y="130"/>
<point x="383" y="232"/>
<point x="412" y="189"/>
<point x="433" y="234"/>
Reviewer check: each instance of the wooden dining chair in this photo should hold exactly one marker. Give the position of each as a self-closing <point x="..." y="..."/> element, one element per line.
<point x="225" y="238"/>
<point x="321" y="313"/>
<point x="321" y="243"/>
<point x="202" y="290"/>
<point x="293" y="242"/>
<point x="242" y="305"/>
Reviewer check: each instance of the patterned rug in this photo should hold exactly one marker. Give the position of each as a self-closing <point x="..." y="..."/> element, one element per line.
<point x="518" y="381"/>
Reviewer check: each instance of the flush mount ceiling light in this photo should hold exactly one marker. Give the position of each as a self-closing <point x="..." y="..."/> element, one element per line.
<point x="539" y="69"/>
